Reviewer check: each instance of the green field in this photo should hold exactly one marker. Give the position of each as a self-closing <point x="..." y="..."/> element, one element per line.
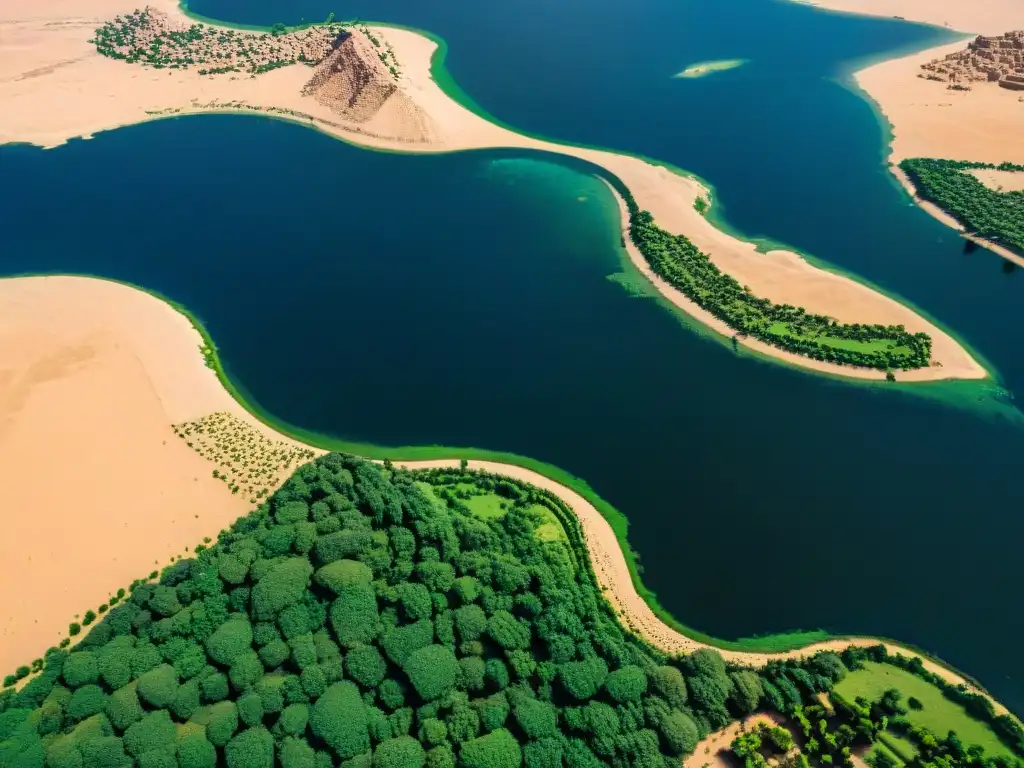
<point x="869" y="346"/>
<point x="491" y="506"/>
<point x="879" y="747"/>
<point x="898" y="745"/>
<point x="939" y="715"/>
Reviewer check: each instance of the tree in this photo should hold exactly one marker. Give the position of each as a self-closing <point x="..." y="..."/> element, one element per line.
<point x="399" y="752"/>
<point x="339" y="718"/>
<point x="253" y="748"/>
<point x="626" y="684"/>
<point x="365" y="665"/>
<point x="498" y="749"/>
<point x="432" y="670"/>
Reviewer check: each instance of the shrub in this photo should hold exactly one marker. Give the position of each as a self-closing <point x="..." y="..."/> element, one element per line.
<point x="498" y="749"/>
<point x="545" y="753"/>
<point x="669" y="683"/>
<point x="508" y="631"/>
<point x="186" y="700"/>
<point x="365" y="665"/>
<point x="679" y="732"/>
<point x="159" y="686"/>
<point x="293" y="719"/>
<point x="470" y="621"/>
<point x="253" y="748"/>
<point x="296" y="753"/>
<point x="232" y="568"/>
<point x="582" y="679"/>
<point x="441" y="757"/>
<point x="164" y="601"/>
<point x="354" y="616"/>
<point x="230" y="640"/>
<point x="432" y="670"/>
<point x="80" y="668"/>
<point x="221" y="722"/>
<point x="115" y="664"/>
<point x="400" y="752"/>
<point x="195" y="751"/>
<point x="471" y="673"/>
<point x="250" y="709"/>
<point x="155" y="731"/>
<point x="87" y="701"/>
<point x="275" y="653"/>
<point x="343" y="573"/>
<point x="400" y="642"/>
<point x="124" y="707"/>
<point x="246" y="671"/>
<point x="214" y="687"/>
<point x="314" y="682"/>
<point x="144" y="657"/>
<point x="626" y="684"/>
<point x="416" y="601"/>
<point x="537" y="718"/>
<point x="339" y="718"/>
<point x="283" y="585"/>
<point x="747" y="690"/>
<point x="291" y="512"/>
<point x="914" y="703"/>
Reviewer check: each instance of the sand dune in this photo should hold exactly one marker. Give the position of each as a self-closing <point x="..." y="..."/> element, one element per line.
<point x="129" y="488"/>
<point x="96" y="93"/>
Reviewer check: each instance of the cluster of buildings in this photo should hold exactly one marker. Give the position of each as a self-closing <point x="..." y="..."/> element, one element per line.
<point x="986" y="59"/>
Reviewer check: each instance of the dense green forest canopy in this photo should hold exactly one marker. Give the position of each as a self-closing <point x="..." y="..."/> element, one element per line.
<point x="988" y="213"/>
<point x="371" y="617"/>
<point x="678" y="261"/>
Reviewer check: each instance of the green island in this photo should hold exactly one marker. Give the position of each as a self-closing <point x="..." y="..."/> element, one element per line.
<point x="366" y="615"/>
<point x="705" y="68"/>
<point x="988" y="213"/>
<point x="678" y="261"/>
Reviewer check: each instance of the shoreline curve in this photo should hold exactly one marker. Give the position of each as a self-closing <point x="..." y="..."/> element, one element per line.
<point x="167" y="341"/>
<point x="782" y="276"/>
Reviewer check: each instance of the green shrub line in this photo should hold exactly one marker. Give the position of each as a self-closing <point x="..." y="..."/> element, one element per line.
<point x="987" y="213"/>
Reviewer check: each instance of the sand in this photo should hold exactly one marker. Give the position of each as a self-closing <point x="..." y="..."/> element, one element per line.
<point x="119" y="489"/>
<point x="715" y="751"/>
<point x="53" y="87"/>
<point x="985" y="17"/>
<point x="999" y="181"/>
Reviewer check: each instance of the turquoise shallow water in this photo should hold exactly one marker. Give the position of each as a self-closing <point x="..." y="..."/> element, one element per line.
<point x="487" y="318"/>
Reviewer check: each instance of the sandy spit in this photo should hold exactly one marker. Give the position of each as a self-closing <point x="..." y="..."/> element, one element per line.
<point x="984" y="17"/>
<point x="94" y="373"/>
<point x="51" y="63"/>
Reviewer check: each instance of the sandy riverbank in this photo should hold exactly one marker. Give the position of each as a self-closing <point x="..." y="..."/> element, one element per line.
<point x="129" y="488"/>
<point x="982" y="17"/>
<point x="54" y="65"/>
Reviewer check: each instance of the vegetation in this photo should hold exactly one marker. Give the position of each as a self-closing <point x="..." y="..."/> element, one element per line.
<point x="935" y="712"/>
<point x="993" y="215"/>
<point x="353" y="616"/>
<point x="678" y="261"/>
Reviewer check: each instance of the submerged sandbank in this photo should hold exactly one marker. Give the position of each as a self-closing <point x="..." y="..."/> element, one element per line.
<point x="97" y="93"/>
<point x="126" y="478"/>
<point x="704" y="68"/>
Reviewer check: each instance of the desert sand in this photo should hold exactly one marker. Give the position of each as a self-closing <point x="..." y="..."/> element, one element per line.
<point x="715" y="751"/>
<point x="1000" y="181"/>
<point x="985" y="17"/>
<point x="49" y="62"/>
<point x="95" y="374"/>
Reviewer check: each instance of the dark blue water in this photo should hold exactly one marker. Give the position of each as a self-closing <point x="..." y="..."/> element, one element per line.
<point x="486" y="318"/>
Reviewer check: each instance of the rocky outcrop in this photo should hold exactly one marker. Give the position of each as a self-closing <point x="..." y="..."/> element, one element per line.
<point x="985" y="60"/>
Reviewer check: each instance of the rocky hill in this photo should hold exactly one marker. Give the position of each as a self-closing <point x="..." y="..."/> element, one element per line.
<point x="985" y="60"/>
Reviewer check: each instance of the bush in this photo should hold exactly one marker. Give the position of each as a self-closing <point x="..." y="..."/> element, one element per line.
<point x="230" y="640"/>
<point x="253" y="748"/>
<point x="293" y="719"/>
<point x="291" y="512"/>
<point x="275" y="653"/>
<point x="250" y="709"/>
<point x="400" y="752"/>
<point x="669" y="684"/>
<point x="679" y="732"/>
<point x="747" y="691"/>
<point x="87" y="701"/>
<point x="164" y="601"/>
<point x="354" y="616"/>
<point x="124" y="708"/>
<point x="537" y="718"/>
<point x="343" y="573"/>
<point x="626" y="684"/>
<point x="508" y="631"/>
<point x="115" y="664"/>
<point x="159" y="686"/>
<point x="283" y="585"/>
<point x="81" y="668"/>
<point x="195" y="751"/>
<point x="498" y="749"/>
<point x="339" y="718"/>
<point x="214" y="687"/>
<point x="296" y="753"/>
<point x="155" y="731"/>
<point x="246" y="671"/>
<point x="400" y="642"/>
<point x="232" y="569"/>
<point x="432" y="670"/>
<point x="365" y="665"/>
<point x="582" y="679"/>
<point x="221" y="722"/>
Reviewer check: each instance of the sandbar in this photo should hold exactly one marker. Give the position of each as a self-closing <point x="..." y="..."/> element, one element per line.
<point x="705" y="68"/>
<point x="55" y="86"/>
<point x="129" y="488"/>
<point x="984" y="17"/>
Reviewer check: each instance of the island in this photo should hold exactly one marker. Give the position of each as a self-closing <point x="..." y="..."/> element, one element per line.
<point x="705" y="68"/>
<point x="373" y="86"/>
